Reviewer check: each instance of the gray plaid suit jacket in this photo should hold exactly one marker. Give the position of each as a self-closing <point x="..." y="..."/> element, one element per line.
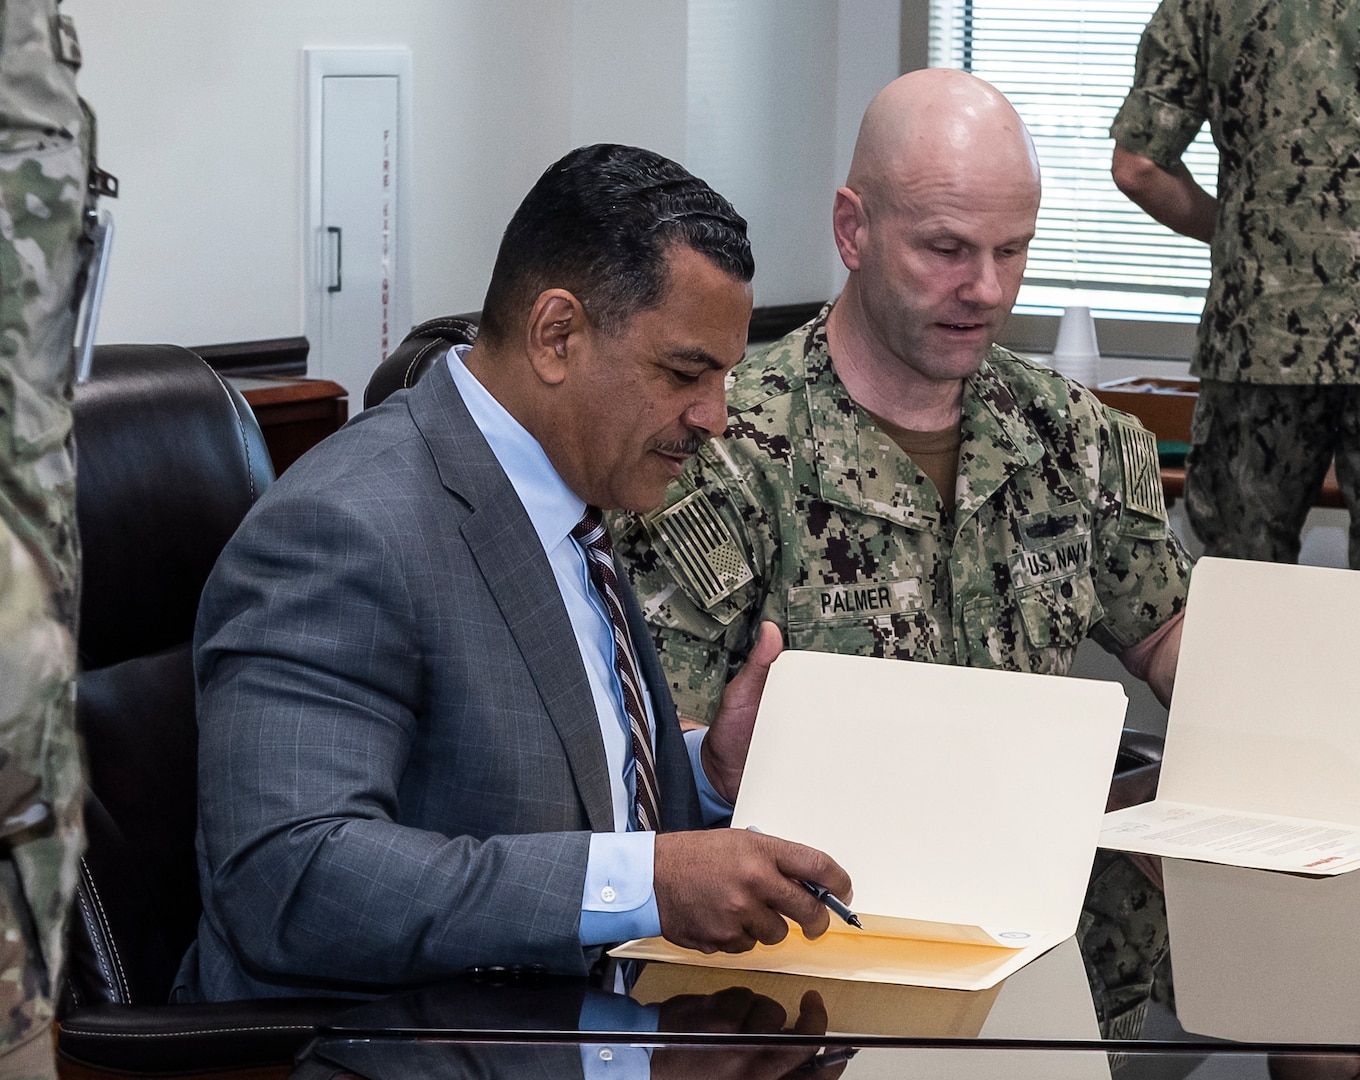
<point x="400" y="762"/>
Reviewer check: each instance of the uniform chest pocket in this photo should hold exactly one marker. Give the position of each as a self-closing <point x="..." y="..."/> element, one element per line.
<point x="1052" y="580"/>
<point x="1059" y="614"/>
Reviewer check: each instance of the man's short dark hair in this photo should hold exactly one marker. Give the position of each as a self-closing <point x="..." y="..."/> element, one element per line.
<point x="599" y="223"/>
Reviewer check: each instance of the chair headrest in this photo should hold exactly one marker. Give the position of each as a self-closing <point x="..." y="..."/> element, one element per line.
<point x="169" y="460"/>
<point x="418" y="352"/>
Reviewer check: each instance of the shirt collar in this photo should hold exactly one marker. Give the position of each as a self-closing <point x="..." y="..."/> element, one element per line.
<point x="553" y="508"/>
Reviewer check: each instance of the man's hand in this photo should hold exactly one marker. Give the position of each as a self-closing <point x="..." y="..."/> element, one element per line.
<point x="1161" y="675"/>
<point x="729" y="736"/>
<point x="725" y="890"/>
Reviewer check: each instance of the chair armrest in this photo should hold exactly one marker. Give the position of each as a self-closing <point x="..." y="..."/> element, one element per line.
<point x="1137" y="768"/>
<point x="158" y="1039"/>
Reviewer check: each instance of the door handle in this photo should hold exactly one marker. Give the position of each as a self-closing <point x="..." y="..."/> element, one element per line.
<point x="339" y="258"/>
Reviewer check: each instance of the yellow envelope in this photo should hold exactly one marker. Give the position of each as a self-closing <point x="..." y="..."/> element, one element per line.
<point x="1049" y="999"/>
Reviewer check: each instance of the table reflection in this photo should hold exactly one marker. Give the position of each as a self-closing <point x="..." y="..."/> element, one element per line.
<point x="1259" y="957"/>
<point x="437" y="1060"/>
<point x="1263" y="956"/>
<point x="791" y="1044"/>
<point x="1124" y="943"/>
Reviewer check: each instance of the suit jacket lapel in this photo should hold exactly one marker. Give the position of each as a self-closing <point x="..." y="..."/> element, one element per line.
<point x="503" y="542"/>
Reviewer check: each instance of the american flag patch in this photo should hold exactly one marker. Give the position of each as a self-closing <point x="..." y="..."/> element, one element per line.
<point x="1142" y="470"/>
<point x="702" y="550"/>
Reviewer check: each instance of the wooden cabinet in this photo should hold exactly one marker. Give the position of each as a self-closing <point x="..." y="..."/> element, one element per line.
<point x="294" y="414"/>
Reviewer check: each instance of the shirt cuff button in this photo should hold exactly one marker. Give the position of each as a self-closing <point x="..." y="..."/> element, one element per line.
<point x="607" y="894"/>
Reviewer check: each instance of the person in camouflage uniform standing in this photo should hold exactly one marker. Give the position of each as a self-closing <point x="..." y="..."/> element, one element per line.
<point x="1279" y="341"/>
<point x="892" y="483"/>
<point x="45" y="144"/>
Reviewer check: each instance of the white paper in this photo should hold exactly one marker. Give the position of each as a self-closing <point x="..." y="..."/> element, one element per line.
<point x="1263" y="841"/>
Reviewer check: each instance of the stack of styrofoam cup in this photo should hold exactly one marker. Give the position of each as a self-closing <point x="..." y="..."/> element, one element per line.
<point x="1076" y="354"/>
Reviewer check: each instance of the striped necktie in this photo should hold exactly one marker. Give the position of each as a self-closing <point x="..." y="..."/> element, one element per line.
<point x="593" y="537"/>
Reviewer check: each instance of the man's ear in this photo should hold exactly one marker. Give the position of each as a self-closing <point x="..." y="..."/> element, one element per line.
<point x="848" y="220"/>
<point x="555" y="324"/>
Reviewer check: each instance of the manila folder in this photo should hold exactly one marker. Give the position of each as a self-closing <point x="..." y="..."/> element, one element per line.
<point x="1262" y="760"/>
<point x="963" y="802"/>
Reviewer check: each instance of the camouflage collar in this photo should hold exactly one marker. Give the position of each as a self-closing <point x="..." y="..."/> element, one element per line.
<point x="860" y="467"/>
<point x="998" y="438"/>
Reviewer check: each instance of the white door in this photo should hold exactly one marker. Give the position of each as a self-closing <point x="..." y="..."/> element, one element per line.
<point x="357" y="240"/>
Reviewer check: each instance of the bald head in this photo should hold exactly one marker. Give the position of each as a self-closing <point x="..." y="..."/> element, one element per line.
<point x="939" y="120"/>
<point x="934" y="224"/>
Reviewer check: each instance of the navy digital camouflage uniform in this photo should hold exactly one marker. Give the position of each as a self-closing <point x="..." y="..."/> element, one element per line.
<point x="45" y="141"/>
<point x="1278" y="346"/>
<point x="806" y="514"/>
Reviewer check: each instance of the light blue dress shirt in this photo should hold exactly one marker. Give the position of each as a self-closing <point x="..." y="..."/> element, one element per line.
<point x="618" y="901"/>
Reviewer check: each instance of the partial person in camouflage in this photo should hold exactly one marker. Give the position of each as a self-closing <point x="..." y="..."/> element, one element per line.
<point x="1124" y="943"/>
<point x="1279" y="340"/>
<point x="45" y="140"/>
<point x="894" y="484"/>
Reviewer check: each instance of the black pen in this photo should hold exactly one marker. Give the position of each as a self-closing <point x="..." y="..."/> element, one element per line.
<point x="825" y="896"/>
<point x="836" y="905"/>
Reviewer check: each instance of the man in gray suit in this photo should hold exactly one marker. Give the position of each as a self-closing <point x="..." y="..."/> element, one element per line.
<point x="417" y="755"/>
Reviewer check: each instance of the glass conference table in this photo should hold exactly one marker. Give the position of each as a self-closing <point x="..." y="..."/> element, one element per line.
<point x="1264" y="985"/>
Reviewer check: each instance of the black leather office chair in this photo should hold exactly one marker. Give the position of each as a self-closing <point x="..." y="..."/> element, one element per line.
<point x="170" y="459"/>
<point x="1139" y="762"/>
<point x="417" y="353"/>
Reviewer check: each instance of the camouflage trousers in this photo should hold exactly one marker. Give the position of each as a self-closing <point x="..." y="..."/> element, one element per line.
<point x="45" y="138"/>
<point x="1258" y="457"/>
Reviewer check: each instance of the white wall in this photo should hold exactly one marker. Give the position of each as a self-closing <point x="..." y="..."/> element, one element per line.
<point x="200" y="112"/>
<point x="629" y="79"/>
<point x="776" y="91"/>
<point x="758" y="95"/>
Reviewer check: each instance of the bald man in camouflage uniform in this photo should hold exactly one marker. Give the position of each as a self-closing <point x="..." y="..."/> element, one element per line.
<point x="45" y="137"/>
<point x="892" y="483"/>
<point x="1279" y="341"/>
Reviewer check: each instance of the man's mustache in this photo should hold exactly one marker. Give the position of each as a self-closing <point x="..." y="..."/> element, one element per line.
<point x="687" y="446"/>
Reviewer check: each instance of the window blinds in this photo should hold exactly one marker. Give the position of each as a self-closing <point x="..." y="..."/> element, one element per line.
<point x="1066" y="65"/>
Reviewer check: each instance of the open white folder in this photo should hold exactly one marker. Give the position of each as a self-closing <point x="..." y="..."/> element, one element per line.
<point x="1262" y="759"/>
<point x="964" y="803"/>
